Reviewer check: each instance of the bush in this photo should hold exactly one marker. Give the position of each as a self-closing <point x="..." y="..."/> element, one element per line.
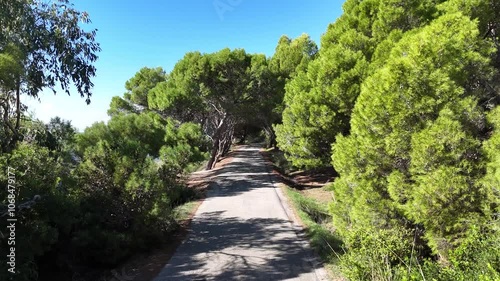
<point x="477" y="258"/>
<point x="378" y="254"/>
<point x="100" y="197"/>
<point x="48" y="213"/>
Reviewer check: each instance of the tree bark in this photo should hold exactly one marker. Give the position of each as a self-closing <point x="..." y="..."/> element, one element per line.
<point x="213" y="155"/>
<point x="15" y="131"/>
<point x="271" y="136"/>
<point x="244" y="136"/>
<point x="228" y="141"/>
<point x="11" y="126"/>
<point x="216" y="143"/>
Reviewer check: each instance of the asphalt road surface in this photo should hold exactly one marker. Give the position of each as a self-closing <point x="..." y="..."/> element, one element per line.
<point x="244" y="230"/>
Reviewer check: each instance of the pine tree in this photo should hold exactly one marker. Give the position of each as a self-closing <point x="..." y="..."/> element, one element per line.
<point x="319" y="102"/>
<point x="413" y="158"/>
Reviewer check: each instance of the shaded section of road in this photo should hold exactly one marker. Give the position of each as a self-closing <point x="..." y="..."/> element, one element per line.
<point x="241" y="231"/>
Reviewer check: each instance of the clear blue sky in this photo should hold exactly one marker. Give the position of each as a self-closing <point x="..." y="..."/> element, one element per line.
<point x="152" y="33"/>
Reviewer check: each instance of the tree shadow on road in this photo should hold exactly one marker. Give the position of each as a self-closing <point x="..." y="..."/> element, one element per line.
<point x="247" y="171"/>
<point x="240" y="246"/>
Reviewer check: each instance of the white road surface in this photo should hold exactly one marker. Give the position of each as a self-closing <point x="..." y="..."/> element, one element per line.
<point x="243" y="230"/>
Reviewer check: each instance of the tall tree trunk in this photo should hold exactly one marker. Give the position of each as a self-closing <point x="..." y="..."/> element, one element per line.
<point x="214" y="155"/>
<point x="271" y="136"/>
<point x="11" y="139"/>
<point x="18" y="106"/>
<point x="244" y="136"/>
<point x="228" y="141"/>
<point x="15" y="133"/>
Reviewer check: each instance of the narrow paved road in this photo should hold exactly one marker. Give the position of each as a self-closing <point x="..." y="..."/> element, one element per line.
<point x="242" y="231"/>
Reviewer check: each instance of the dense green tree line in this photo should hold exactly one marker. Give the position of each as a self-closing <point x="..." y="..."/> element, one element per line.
<point x="101" y="195"/>
<point x="230" y="89"/>
<point x="83" y="200"/>
<point x="403" y="96"/>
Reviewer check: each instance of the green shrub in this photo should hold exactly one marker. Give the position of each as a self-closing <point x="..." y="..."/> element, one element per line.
<point x="50" y="212"/>
<point x="317" y="220"/>
<point x="375" y="254"/>
<point x="477" y="258"/>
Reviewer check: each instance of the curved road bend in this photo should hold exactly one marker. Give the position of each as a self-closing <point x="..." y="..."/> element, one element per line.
<point x="242" y="231"/>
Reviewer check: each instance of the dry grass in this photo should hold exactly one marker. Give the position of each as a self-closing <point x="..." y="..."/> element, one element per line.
<point x="320" y="194"/>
